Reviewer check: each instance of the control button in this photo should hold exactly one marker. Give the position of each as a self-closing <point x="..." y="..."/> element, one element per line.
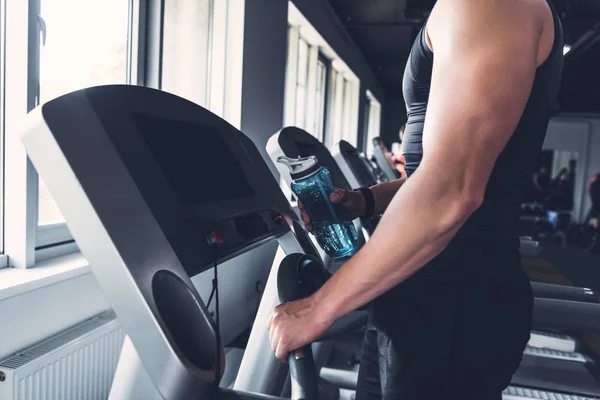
<point x="277" y="218"/>
<point x="215" y="238"/>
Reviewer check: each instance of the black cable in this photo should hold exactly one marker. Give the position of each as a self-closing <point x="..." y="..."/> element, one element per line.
<point x="215" y="292"/>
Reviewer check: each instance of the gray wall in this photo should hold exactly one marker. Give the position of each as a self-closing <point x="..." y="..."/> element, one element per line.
<point x="581" y="134"/>
<point x="265" y="51"/>
<point x="393" y="116"/>
<point x="263" y="79"/>
<point x="363" y="128"/>
<point x="30" y="315"/>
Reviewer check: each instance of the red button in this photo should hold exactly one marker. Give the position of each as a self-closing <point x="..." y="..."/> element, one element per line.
<point x="218" y="239"/>
<point x="277" y="218"/>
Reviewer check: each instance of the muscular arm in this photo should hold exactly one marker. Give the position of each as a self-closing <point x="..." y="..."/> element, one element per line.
<point x="486" y="55"/>
<point x="384" y="193"/>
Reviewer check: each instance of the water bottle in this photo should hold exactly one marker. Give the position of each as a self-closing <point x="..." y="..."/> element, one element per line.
<point x="312" y="185"/>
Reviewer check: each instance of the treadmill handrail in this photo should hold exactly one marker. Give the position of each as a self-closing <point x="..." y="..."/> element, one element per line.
<point x="563" y="292"/>
<point x="566" y="315"/>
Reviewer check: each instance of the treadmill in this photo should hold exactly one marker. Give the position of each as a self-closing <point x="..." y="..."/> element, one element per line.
<point x="382" y="162"/>
<point x="354" y="165"/>
<point x="160" y="194"/>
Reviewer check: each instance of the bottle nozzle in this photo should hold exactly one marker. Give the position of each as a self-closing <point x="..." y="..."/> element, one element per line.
<point x="298" y="165"/>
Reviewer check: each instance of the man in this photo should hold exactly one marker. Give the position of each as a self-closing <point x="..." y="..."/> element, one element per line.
<point x="593" y="217"/>
<point x="450" y="304"/>
<point x="398" y="157"/>
<point x="541" y="183"/>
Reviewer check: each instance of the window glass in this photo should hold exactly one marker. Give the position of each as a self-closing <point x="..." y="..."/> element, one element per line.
<point x="2" y="54"/>
<point x="186" y="49"/>
<point x="374" y="124"/>
<point x="347" y="109"/>
<point x="301" y="83"/>
<point x="338" y="108"/>
<point x="86" y="44"/>
<point x="320" y="100"/>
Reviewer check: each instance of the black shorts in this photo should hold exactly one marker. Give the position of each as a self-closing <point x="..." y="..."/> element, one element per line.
<point x="455" y="330"/>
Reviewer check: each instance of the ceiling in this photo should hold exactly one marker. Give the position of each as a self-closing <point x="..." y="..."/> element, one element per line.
<point x="385" y="29"/>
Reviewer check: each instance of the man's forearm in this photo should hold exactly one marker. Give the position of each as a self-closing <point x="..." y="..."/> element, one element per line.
<point x="384" y="193"/>
<point x="390" y="257"/>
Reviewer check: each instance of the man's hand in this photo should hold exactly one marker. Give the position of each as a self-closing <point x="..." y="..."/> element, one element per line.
<point x="352" y="202"/>
<point x="295" y="324"/>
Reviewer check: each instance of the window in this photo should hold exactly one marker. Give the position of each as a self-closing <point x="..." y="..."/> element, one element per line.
<point x="53" y="47"/>
<point x="306" y="75"/>
<point x="301" y="84"/>
<point x="77" y="51"/>
<point x="374" y="121"/>
<point x="346" y="108"/>
<point x="319" y="104"/>
<point x="344" y="94"/>
<point x="2" y="92"/>
<point x="186" y="49"/>
<point x="202" y="54"/>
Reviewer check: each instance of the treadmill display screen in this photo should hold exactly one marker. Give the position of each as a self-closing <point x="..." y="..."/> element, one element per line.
<point x="185" y="152"/>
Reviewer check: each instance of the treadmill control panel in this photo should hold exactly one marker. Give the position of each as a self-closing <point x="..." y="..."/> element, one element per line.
<point x="232" y="235"/>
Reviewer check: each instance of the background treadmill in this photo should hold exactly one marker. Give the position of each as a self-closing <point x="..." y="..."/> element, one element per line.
<point x="356" y="168"/>
<point x="295" y="142"/>
<point x="382" y="162"/>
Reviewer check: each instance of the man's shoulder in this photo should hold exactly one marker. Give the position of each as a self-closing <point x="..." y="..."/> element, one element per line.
<point x="484" y="20"/>
<point x="488" y="11"/>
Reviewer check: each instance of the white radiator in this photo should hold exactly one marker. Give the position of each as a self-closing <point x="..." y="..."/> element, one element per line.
<point x="78" y="364"/>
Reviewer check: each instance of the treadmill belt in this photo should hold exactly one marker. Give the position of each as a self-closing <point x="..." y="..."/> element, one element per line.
<point x="518" y="393"/>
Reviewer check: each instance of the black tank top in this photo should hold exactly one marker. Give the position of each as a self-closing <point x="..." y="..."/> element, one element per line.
<point x="510" y="182"/>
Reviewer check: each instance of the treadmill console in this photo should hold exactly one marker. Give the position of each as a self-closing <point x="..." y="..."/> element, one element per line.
<point x="155" y="190"/>
<point x="196" y="173"/>
<point x="232" y="235"/>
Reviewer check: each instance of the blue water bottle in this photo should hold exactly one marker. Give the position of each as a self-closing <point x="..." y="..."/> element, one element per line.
<point x="312" y="185"/>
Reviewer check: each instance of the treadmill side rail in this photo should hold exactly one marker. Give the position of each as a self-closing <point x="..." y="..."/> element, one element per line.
<point x="566" y="315"/>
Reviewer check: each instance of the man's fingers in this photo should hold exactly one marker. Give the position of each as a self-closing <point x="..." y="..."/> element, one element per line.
<point x="306" y="220"/>
<point x="305" y="217"/>
<point x="270" y="321"/>
<point x="337" y="196"/>
<point x="274" y="345"/>
<point x="282" y="352"/>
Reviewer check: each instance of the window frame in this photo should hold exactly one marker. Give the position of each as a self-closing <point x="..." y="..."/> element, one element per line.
<point x="20" y="208"/>
<point x="314" y="57"/>
<point x="54" y="239"/>
<point x="29" y="242"/>
<point x="57" y="234"/>
<point x="3" y="257"/>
